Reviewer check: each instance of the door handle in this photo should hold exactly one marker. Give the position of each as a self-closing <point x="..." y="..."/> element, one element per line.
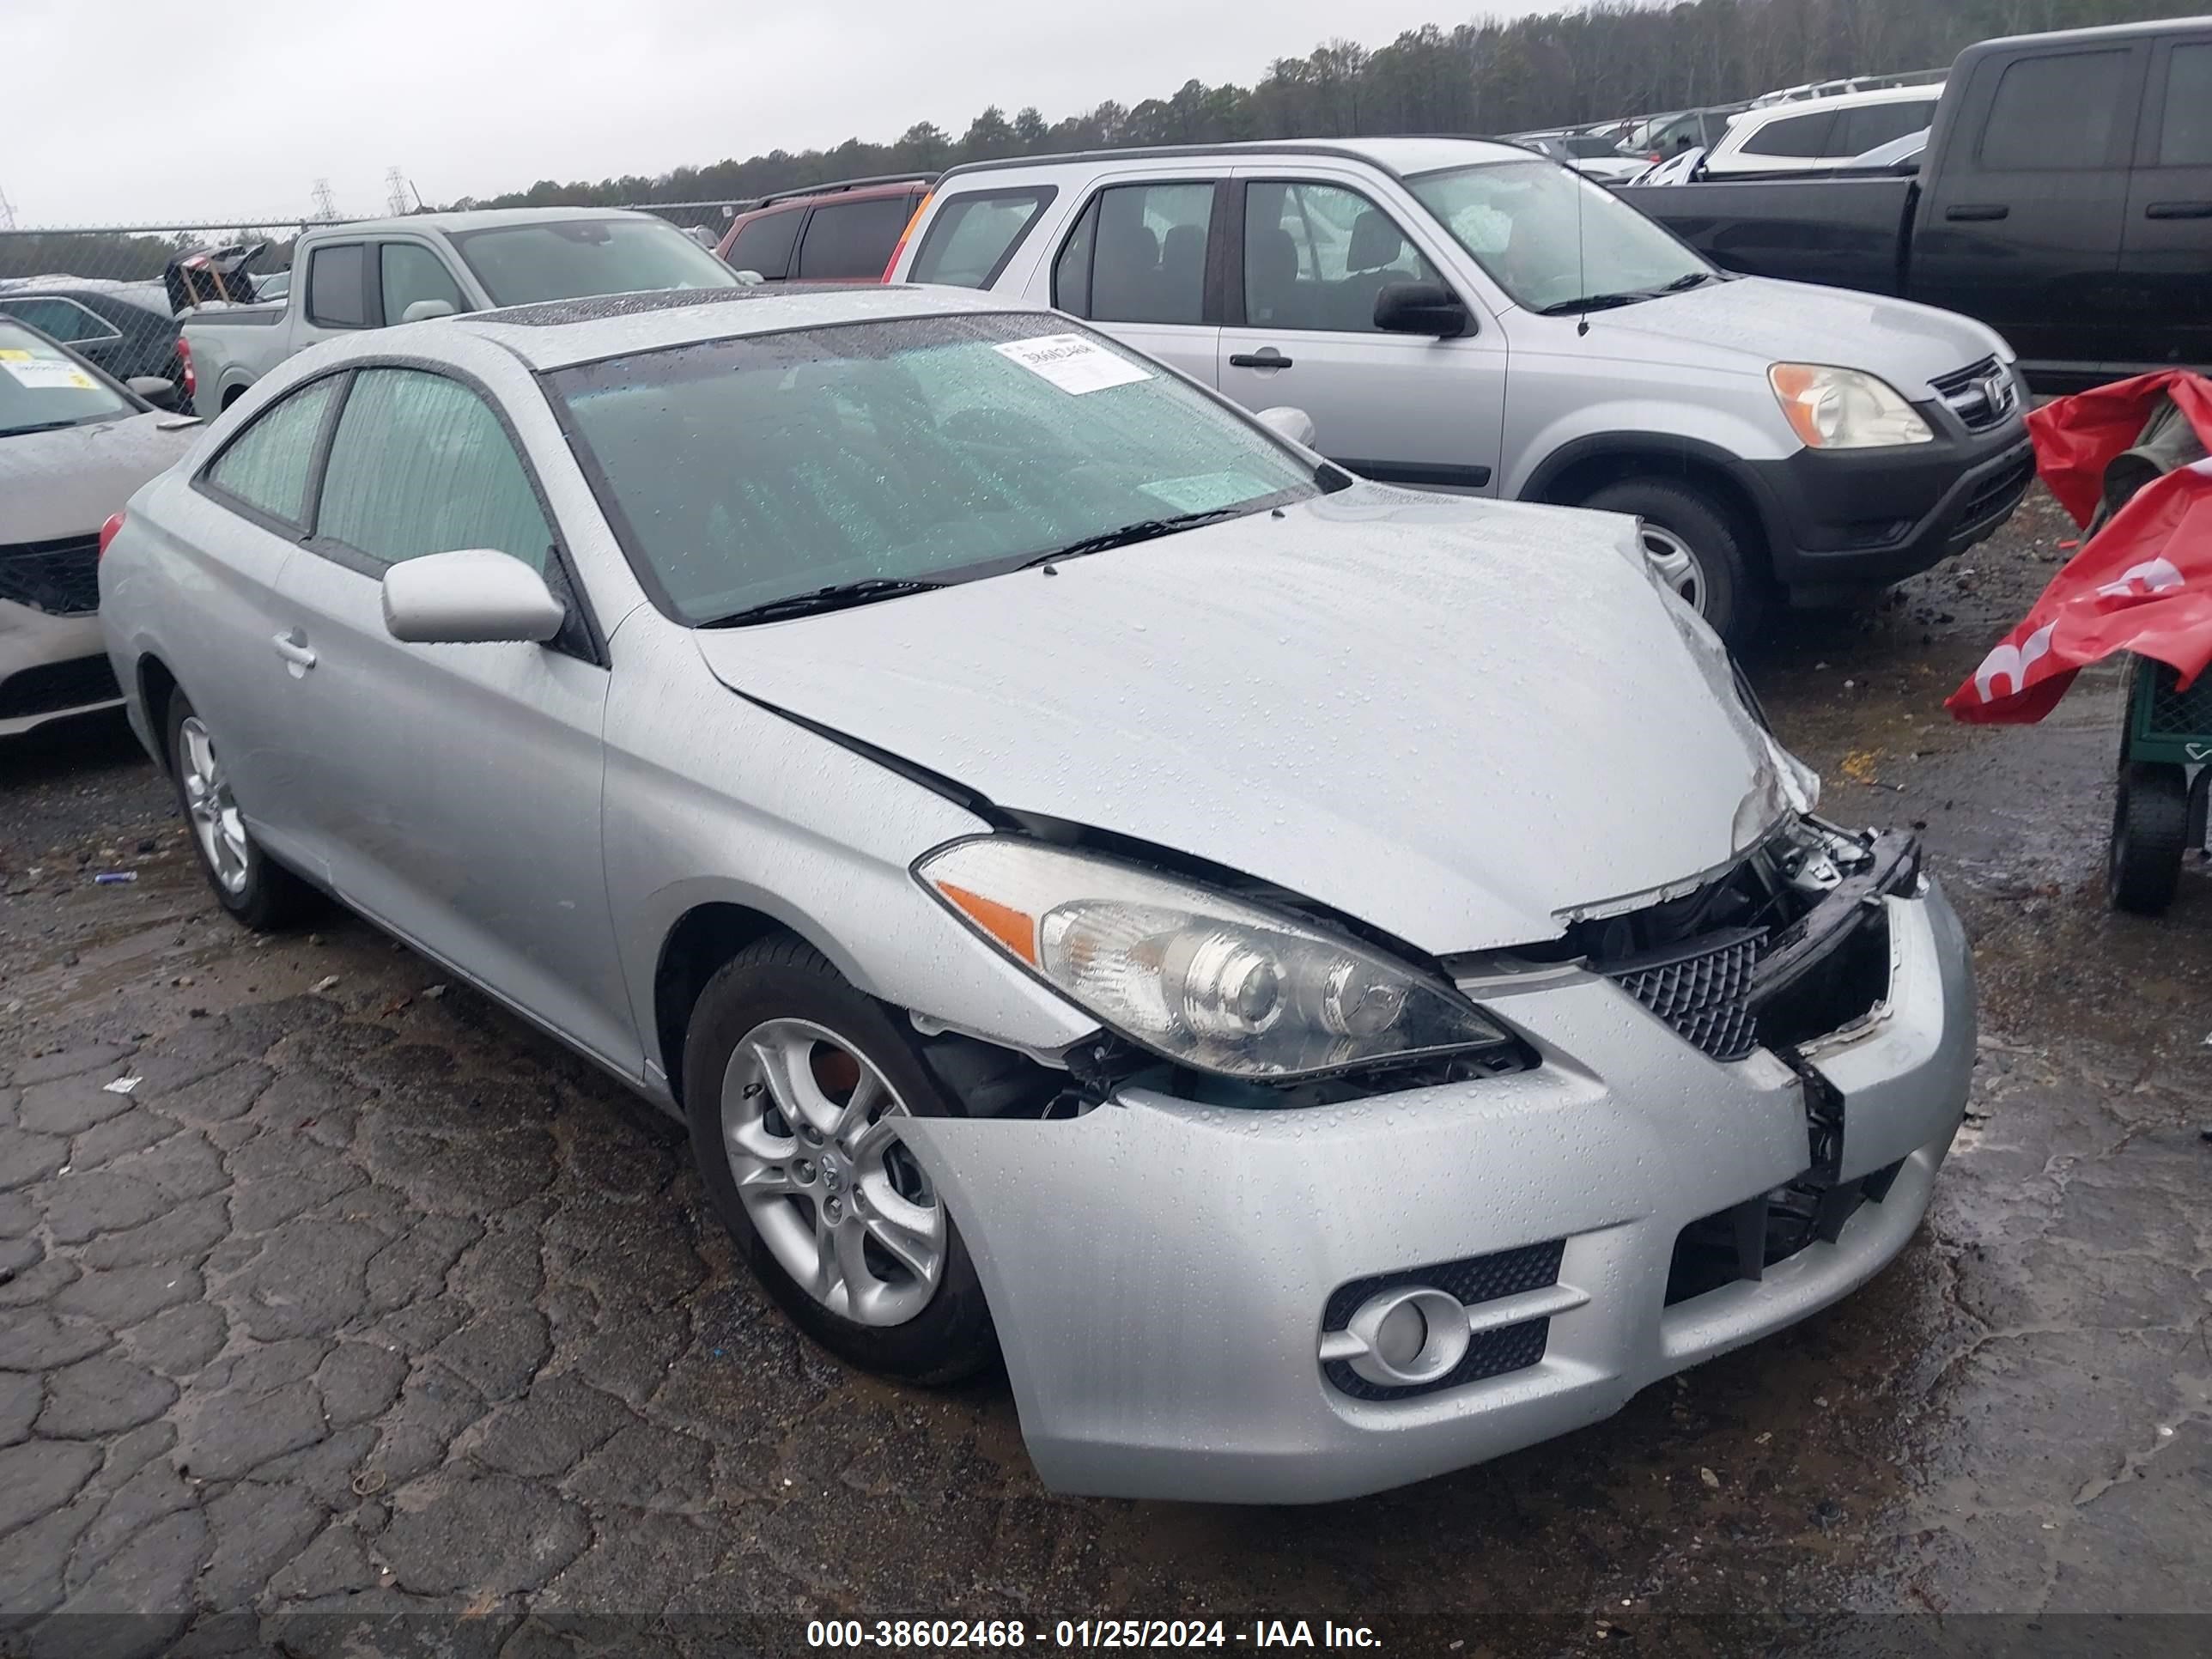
<point x="2178" y="210"/>
<point x="293" y="647"/>
<point x="1270" y="358"/>
<point x="1969" y="211"/>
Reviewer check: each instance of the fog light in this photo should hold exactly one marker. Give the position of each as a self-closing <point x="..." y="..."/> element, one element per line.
<point x="1407" y="1336"/>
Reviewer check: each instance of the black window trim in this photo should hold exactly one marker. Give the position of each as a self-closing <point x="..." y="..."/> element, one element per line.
<point x="368" y="295"/>
<point x="2120" y="143"/>
<point x="1233" y="253"/>
<point x="584" y="640"/>
<point x="1211" y="295"/>
<point x="1043" y="195"/>
<point x="114" y="329"/>
<point x="203" y="481"/>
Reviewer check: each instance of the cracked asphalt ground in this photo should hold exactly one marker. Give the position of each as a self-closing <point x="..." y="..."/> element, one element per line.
<point x="368" y="1303"/>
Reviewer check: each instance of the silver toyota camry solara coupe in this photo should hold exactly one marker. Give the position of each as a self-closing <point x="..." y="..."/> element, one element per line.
<point x="1332" y="984"/>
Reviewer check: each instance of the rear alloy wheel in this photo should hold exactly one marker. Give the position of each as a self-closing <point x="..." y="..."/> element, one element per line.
<point x="795" y="1085"/>
<point x="1693" y="547"/>
<point x="259" y="892"/>
<point x="2151" y="832"/>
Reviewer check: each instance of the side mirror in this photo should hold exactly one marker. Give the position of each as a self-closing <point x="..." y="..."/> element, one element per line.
<point x="1421" y="308"/>
<point x="1286" y="421"/>
<point x="156" y="389"/>
<point x="474" y="596"/>
<point x="421" y="310"/>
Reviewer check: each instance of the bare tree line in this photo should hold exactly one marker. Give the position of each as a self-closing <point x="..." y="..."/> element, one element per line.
<point x="1614" y="57"/>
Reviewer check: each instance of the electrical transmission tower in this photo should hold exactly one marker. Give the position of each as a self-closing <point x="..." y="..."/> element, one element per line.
<point x="398" y="187"/>
<point x="326" y="205"/>
<point x="7" y="212"/>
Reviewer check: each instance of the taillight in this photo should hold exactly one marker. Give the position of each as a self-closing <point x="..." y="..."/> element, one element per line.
<point x="107" y="531"/>
<point x="920" y="208"/>
<point x="185" y="357"/>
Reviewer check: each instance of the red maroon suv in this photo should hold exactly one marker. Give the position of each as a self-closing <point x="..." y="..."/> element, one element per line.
<point x="825" y="233"/>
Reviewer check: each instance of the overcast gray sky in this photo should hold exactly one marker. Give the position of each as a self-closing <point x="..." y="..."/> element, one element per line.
<point x="133" y="111"/>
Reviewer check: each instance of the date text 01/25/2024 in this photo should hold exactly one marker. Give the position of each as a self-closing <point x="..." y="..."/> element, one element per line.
<point x="1002" y="1635"/>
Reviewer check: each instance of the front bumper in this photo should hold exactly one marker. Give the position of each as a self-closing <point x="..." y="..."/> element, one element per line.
<point x="1841" y="520"/>
<point x="1158" y="1270"/>
<point x="51" y="667"/>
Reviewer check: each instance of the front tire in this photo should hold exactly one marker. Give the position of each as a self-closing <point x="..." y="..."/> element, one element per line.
<point x="794" y="1081"/>
<point x="1693" y="543"/>
<point x="247" y="883"/>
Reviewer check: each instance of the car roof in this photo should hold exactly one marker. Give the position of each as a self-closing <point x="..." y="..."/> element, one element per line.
<point x="564" y="332"/>
<point x="1401" y="157"/>
<point x="802" y="199"/>
<point x="1759" y="114"/>
<point x="478" y="219"/>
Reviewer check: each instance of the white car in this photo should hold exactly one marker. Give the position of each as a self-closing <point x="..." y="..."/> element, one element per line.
<point x="1819" y="132"/>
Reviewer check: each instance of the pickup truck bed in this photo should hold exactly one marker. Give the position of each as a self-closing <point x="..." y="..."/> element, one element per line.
<point x="2064" y="199"/>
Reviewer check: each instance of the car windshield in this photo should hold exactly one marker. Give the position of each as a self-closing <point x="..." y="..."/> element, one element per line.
<point x="568" y="259"/>
<point x="1587" y="149"/>
<point x="1549" y="237"/>
<point x="739" y="473"/>
<point x="42" y="387"/>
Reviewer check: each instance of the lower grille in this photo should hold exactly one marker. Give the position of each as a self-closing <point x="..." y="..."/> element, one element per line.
<point x="1701" y="988"/>
<point x="1998" y="494"/>
<point x="61" y="578"/>
<point x="1737" y="1245"/>
<point x="1471" y="1280"/>
<point x="51" y="687"/>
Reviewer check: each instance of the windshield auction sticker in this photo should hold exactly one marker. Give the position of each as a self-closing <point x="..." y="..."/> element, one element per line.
<point x="38" y="372"/>
<point x="1072" y="363"/>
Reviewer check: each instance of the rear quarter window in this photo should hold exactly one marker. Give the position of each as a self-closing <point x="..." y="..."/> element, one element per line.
<point x="971" y="237"/>
<point x="1799" y="137"/>
<point x="765" y="243"/>
<point x="338" y="290"/>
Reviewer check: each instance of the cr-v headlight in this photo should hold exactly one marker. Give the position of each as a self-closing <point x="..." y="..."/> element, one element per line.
<point x="1844" y="409"/>
<point x="1195" y="975"/>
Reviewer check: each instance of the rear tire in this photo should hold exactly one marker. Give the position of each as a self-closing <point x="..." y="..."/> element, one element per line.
<point x="2151" y="832"/>
<point x="253" y="887"/>
<point x="1682" y="521"/>
<point x="791" y="1078"/>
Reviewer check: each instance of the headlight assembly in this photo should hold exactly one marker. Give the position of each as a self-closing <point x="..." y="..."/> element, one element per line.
<point x="1194" y="975"/>
<point x="1845" y="408"/>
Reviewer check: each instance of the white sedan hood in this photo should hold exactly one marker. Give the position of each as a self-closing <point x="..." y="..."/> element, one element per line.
<point x="67" y="481"/>
<point x="1458" y="721"/>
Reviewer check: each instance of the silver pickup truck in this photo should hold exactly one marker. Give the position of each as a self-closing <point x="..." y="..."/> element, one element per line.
<point x="374" y="272"/>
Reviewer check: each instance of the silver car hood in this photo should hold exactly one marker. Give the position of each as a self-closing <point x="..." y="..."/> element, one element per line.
<point x="1772" y="321"/>
<point x="1457" y="720"/>
<point x="66" y="482"/>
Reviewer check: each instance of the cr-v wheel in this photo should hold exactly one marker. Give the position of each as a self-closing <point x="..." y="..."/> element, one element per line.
<point x="258" y="891"/>
<point x="794" y="1084"/>
<point x="1693" y="547"/>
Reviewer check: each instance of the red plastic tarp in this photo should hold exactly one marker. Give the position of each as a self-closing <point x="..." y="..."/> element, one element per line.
<point x="2142" y="583"/>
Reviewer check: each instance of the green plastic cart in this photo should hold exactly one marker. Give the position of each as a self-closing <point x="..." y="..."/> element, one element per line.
<point x="2158" y="811"/>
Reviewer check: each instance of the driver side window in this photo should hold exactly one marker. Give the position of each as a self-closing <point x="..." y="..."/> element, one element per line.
<point x="420" y="465"/>
<point x="1316" y="255"/>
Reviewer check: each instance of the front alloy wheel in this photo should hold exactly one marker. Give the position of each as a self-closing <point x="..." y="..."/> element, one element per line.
<point x="796" y="1084"/>
<point x="809" y="1128"/>
<point x="209" y="803"/>
<point x="1676" y="563"/>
